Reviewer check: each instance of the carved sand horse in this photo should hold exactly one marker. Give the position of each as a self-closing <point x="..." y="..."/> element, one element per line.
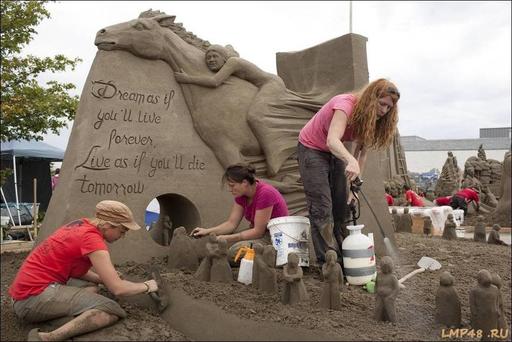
<point x="223" y="116"/>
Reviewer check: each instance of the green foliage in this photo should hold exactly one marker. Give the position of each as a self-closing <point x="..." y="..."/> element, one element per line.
<point x="4" y="174"/>
<point x="28" y="109"/>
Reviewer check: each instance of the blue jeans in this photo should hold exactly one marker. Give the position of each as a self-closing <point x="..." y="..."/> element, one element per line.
<point x="325" y="187"/>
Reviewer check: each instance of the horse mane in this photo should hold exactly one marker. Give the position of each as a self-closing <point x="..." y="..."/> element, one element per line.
<point x="178" y="29"/>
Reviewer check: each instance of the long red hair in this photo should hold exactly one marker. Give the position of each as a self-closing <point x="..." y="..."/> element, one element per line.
<point x="370" y="132"/>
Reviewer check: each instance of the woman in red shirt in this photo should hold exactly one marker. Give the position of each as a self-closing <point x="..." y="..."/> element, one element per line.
<point x="56" y="279"/>
<point x="412" y="198"/>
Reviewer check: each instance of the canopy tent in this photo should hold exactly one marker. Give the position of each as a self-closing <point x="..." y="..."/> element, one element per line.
<point x="31" y="149"/>
<point x="28" y="159"/>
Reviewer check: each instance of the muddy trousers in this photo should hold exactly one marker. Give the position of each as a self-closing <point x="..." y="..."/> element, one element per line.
<point x="325" y="187"/>
<point x="59" y="300"/>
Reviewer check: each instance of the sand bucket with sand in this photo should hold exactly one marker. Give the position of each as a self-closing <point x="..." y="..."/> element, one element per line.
<point x="290" y="234"/>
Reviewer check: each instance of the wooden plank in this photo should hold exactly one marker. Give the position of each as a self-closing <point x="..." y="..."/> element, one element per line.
<point x="16" y="246"/>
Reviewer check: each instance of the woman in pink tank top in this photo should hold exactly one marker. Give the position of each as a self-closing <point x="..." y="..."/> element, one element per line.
<point x="368" y="118"/>
<point x="257" y="201"/>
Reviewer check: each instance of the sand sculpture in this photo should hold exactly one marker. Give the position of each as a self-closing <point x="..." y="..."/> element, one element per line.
<point x="258" y="263"/>
<point x="427" y="226"/>
<point x="200" y="246"/>
<point x="481" y="153"/>
<point x="386" y="289"/>
<point x="333" y="282"/>
<point x="479" y="229"/>
<point x="502" y="213"/>
<point x="484" y="174"/>
<point x="484" y="304"/>
<point x="502" y="321"/>
<point x="405" y="223"/>
<point x="449" y="232"/>
<point x="294" y="289"/>
<point x="396" y="219"/>
<point x="182" y="254"/>
<point x="203" y="271"/>
<point x="267" y="277"/>
<point x="167" y="230"/>
<point x="450" y="177"/>
<point x="494" y="236"/>
<point x="448" y="310"/>
<point x="136" y="127"/>
<point x="221" y="269"/>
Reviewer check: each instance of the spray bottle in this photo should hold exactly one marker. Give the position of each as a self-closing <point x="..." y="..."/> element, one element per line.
<point x="245" y="271"/>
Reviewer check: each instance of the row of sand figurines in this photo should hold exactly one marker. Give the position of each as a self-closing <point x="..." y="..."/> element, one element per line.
<point x="486" y="302"/>
<point x="215" y="265"/>
<point x="403" y="223"/>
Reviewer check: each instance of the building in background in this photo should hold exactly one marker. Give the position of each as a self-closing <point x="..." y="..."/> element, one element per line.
<point x="423" y="155"/>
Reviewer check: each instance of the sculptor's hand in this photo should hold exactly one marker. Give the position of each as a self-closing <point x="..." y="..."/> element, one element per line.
<point x="352" y="169"/>
<point x="351" y="197"/>
<point x="181" y="77"/>
<point x="198" y="232"/>
<point x="153" y="286"/>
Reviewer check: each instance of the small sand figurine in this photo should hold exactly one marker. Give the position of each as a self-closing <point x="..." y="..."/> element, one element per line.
<point x="427" y="226"/>
<point x="221" y="270"/>
<point x="182" y="255"/>
<point x="387" y="288"/>
<point x="484" y="304"/>
<point x="258" y="263"/>
<point x="447" y="302"/>
<point x="267" y="272"/>
<point x="479" y="233"/>
<point x="502" y="321"/>
<point x="203" y="271"/>
<point x="405" y="224"/>
<point x="396" y="218"/>
<point x="449" y="232"/>
<point x="333" y="282"/>
<point x="294" y="289"/>
<point x="167" y="230"/>
<point x="494" y="236"/>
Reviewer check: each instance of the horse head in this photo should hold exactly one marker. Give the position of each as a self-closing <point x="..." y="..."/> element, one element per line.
<point x="143" y="37"/>
<point x="155" y="35"/>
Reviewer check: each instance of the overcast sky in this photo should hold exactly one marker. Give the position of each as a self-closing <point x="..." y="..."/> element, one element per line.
<point x="450" y="60"/>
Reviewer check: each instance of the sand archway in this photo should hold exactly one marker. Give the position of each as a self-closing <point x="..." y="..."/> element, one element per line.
<point x="175" y="211"/>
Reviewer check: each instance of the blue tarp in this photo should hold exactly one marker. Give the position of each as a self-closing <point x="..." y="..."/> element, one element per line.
<point x="31" y="149"/>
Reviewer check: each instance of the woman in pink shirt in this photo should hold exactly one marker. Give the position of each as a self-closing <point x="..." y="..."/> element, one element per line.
<point x="368" y="118"/>
<point x="255" y="200"/>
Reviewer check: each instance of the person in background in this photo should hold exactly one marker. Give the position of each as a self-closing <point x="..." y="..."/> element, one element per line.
<point x="412" y="198"/>
<point x="255" y="200"/>
<point x="445" y="200"/>
<point x="368" y="118"/>
<point x="389" y="198"/>
<point x="55" y="178"/>
<point x="463" y="197"/>
<point x="56" y="279"/>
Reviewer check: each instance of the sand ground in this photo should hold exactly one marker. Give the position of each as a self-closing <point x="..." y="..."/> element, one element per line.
<point x="415" y="304"/>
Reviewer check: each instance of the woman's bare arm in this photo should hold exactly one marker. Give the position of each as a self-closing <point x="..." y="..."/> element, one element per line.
<point x="105" y="269"/>
<point x="214" y="81"/>
<point x="336" y="147"/>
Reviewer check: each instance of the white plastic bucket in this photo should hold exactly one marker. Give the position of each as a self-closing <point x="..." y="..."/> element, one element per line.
<point x="290" y="234"/>
<point x="458" y="216"/>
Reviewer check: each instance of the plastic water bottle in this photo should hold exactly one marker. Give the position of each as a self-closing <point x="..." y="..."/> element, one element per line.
<point x="245" y="270"/>
<point x="358" y="256"/>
